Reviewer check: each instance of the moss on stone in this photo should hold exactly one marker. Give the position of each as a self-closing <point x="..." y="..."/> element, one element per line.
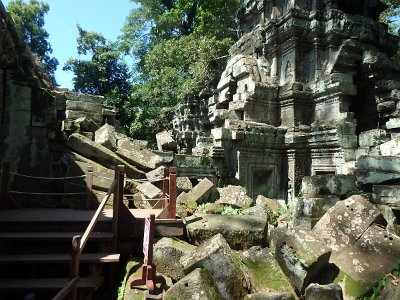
<point x="352" y="287"/>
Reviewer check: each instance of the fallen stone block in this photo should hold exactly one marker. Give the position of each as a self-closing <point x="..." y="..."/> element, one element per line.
<point x="105" y="136"/>
<point x="391" y="148"/>
<point x="166" y="255"/>
<point x="393" y="123"/>
<point x="269" y="296"/>
<point x="165" y="142"/>
<point x="100" y="154"/>
<point x="183" y="184"/>
<point x="215" y="256"/>
<point x="377" y="169"/>
<point x="372" y="137"/>
<point x="265" y="273"/>
<point x="241" y="232"/>
<point x="234" y="196"/>
<point x="344" y="223"/>
<point x="155" y="175"/>
<point x="196" y="285"/>
<point x="137" y="155"/>
<point x="201" y="192"/>
<point x="317" y="185"/>
<point x="149" y="190"/>
<point x="324" y="292"/>
<point x="271" y="204"/>
<point x="185" y="205"/>
<point x="86" y="124"/>
<point x="261" y="211"/>
<point x="300" y="262"/>
<point x="387" y="195"/>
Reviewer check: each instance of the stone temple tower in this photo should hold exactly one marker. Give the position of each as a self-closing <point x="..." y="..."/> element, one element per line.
<point x="303" y="81"/>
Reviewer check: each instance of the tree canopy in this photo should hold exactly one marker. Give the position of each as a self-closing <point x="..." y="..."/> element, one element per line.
<point x="29" y="21"/>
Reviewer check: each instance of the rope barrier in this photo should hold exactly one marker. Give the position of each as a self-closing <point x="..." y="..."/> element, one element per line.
<point x="144" y="180"/>
<point x="102" y="177"/>
<point x="46" y="194"/>
<point x="48" y="178"/>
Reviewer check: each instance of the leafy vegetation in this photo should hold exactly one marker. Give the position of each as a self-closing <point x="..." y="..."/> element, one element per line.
<point x="29" y="21"/>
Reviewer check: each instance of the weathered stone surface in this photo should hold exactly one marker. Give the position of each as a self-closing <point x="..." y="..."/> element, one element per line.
<point x="393" y="123"/>
<point x="377" y="169"/>
<point x="314" y="186"/>
<point x="196" y="285"/>
<point x="271" y="204"/>
<point x="269" y="296"/>
<point x="86" y="124"/>
<point x="265" y="273"/>
<point x="185" y="205"/>
<point x="261" y="211"/>
<point x="215" y="256"/>
<point x="183" y="184"/>
<point x="149" y="190"/>
<point x="372" y="137"/>
<point x="201" y="192"/>
<point x="345" y="222"/>
<point x="301" y="263"/>
<point x="391" y="290"/>
<point x="105" y="136"/>
<point x="386" y="194"/>
<point x="241" y="232"/>
<point x="100" y="154"/>
<point x="165" y="141"/>
<point x="390" y="148"/>
<point x="234" y="196"/>
<point x="156" y="174"/>
<point x="166" y="255"/>
<point x="137" y="155"/>
<point x="324" y="292"/>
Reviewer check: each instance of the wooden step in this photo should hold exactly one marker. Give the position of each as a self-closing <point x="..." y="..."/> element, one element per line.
<point x="49" y="283"/>
<point x="53" y="236"/>
<point x="58" y="258"/>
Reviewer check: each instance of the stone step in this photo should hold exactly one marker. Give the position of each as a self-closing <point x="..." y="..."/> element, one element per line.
<point x="30" y="284"/>
<point x="52" y="236"/>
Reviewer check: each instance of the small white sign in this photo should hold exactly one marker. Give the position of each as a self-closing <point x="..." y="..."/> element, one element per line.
<point x="146" y="237"/>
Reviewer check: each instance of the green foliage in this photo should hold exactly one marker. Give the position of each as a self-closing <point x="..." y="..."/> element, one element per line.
<point x="29" y="21"/>
<point x="391" y="15"/>
<point x="202" y="208"/>
<point x="102" y="71"/>
<point x="229" y="210"/>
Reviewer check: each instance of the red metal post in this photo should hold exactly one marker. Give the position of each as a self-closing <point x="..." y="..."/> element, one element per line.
<point x="5" y="181"/>
<point x="89" y="186"/>
<point x="172" y="194"/>
<point x="117" y="202"/>
<point x="149" y="274"/>
<point x="165" y="188"/>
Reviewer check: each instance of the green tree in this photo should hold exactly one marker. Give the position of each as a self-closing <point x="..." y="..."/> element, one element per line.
<point x="391" y="16"/>
<point x="180" y="47"/>
<point x="29" y="20"/>
<point x="101" y="71"/>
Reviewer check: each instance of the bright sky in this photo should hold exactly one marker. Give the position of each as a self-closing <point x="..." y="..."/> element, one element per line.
<point x="105" y="17"/>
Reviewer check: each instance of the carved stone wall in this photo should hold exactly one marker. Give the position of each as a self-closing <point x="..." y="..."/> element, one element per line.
<point x="303" y="81"/>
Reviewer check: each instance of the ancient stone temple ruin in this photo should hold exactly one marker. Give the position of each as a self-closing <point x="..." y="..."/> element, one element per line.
<point x="305" y="82"/>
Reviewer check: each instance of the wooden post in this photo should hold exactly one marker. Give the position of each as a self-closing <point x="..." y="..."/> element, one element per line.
<point x="5" y="181"/>
<point x="172" y="194"/>
<point x="165" y="188"/>
<point x="89" y="186"/>
<point x="74" y="268"/>
<point x="117" y="202"/>
<point x="149" y="274"/>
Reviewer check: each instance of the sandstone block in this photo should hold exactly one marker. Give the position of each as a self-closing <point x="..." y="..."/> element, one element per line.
<point x="165" y="141"/>
<point x="314" y="186"/>
<point x="386" y="194"/>
<point x="196" y="285"/>
<point x="215" y="256"/>
<point x="149" y="190"/>
<point x="234" y="196"/>
<point x="241" y="232"/>
<point x="377" y="169"/>
<point x="202" y="191"/>
<point x="166" y="255"/>
<point x="324" y="292"/>
<point x="105" y="136"/>
<point x="271" y="204"/>
<point x="372" y="137"/>
<point x="391" y="148"/>
<point x="183" y="184"/>
<point x="393" y="123"/>
<point x="137" y="155"/>
<point x="269" y="296"/>
<point x="74" y="114"/>
<point x="86" y="124"/>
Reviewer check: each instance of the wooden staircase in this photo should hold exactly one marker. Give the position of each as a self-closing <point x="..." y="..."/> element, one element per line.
<point x="36" y="253"/>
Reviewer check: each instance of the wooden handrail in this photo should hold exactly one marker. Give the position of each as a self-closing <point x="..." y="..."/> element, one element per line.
<point x="61" y="295"/>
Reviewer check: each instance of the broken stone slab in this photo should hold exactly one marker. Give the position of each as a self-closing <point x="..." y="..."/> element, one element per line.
<point x="272" y="204"/>
<point x="225" y="268"/>
<point x="269" y="296"/>
<point x="377" y="169"/>
<point x="373" y="254"/>
<point x="155" y="175"/>
<point x="241" y="232"/>
<point x="167" y="156"/>
<point x="391" y="148"/>
<point x="198" y="285"/>
<point x="235" y="196"/>
<point x="165" y="141"/>
<point x="316" y="291"/>
<point x="373" y="137"/>
<point x="166" y="255"/>
<point x="183" y="184"/>
<point x="202" y="191"/>
<point x="301" y="263"/>
<point x="100" y="154"/>
<point x="185" y="205"/>
<point x="137" y="155"/>
<point x="393" y="123"/>
<point x="261" y="211"/>
<point x="86" y="124"/>
<point x="105" y="136"/>
<point x="341" y="185"/>
<point x="149" y="190"/>
<point x="74" y="114"/>
<point x="386" y="194"/>
<point x="264" y="272"/>
<point x="345" y="222"/>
